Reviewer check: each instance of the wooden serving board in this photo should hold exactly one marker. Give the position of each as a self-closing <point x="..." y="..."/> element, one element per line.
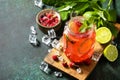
<point x="86" y="69"/>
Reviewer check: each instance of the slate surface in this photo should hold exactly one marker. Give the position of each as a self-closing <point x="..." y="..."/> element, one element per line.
<point x="19" y="60"/>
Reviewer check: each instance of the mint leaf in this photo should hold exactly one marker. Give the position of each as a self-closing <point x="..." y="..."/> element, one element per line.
<point x="101" y="14"/>
<point x="68" y="6"/>
<point x="83" y="0"/>
<point x="102" y="0"/>
<point x="83" y="27"/>
<point x="80" y="7"/>
<point x="113" y="15"/>
<point x="94" y="5"/>
<point x="64" y="15"/>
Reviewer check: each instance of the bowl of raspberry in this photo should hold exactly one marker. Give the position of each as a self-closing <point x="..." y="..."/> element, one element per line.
<point x="48" y="19"/>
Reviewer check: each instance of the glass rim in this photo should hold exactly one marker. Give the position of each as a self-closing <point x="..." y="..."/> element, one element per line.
<point x="86" y="33"/>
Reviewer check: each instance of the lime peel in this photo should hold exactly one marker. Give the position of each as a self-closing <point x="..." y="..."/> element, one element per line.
<point x="111" y="52"/>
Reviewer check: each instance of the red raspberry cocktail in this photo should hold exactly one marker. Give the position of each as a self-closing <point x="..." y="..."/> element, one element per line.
<point x="78" y="45"/>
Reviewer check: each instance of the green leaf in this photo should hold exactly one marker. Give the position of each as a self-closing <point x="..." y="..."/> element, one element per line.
<point x="84" y="26"/>
<point x="98" y="23"/>
<point x="64" y="15"/>
<point x="106" y="14"/>
<point x="113" y="15"/>
<point x="80" y="8"/>
<point x="101" y="22"/>
<point x="101" y="14"/>
<point x="83" y="0"/>
<point x="95" y="6"/>
<point x="49" y="2"/>
<point x="102" y="0"/>
<point x="82" y="29"/>
<point x="109" y="4"/>
<point x="68" y="6"/>
<point x="88" y="14"/>
<point x="113" y="29"/>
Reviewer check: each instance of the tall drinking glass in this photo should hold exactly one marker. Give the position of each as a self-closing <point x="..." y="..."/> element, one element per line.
<point x="78" y="46"/>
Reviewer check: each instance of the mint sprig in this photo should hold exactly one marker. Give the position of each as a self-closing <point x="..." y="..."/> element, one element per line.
<point x="87" y="24"/>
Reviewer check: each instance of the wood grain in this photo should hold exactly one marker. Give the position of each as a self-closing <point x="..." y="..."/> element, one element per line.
<point x="86" y="69"/>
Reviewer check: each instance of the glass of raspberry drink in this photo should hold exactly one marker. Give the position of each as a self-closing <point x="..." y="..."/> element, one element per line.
<point x="78" y="43"/>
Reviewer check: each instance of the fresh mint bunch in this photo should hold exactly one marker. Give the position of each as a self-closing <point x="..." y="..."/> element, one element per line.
<point x="99" y="15"/>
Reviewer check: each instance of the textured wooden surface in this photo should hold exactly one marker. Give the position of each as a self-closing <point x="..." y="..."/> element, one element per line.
<point x="86" y="69"/>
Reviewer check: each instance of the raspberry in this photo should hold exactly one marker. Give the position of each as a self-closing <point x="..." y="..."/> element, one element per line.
<point x="71" y="64"/>
<point x="78" y="23"/>
<point x="55" y="57"/>
<point x="49" y="15"/>
<point x="44" y="18"/>
<point x="65" y="64"/>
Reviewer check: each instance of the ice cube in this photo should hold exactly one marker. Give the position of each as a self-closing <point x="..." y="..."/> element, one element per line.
<point x="46" y="40"/>
<point x="61" y="58"/>
<point x="58" y="74"/>
<point x="38" y="3"/>
<point x="44" y="67"/>
<point x="51" y="33"/>
<point x="79" y="70"/>
<point x="96" y="56"/>
<point x="33" y="30"/>
<point x="59" y="46"/>
<point x="33" y="39"/>
<point x="54" y="43"/>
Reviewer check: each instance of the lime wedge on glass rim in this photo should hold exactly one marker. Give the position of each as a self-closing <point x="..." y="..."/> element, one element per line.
<point x="103" y="35"/>
<point x="111" y="52"/>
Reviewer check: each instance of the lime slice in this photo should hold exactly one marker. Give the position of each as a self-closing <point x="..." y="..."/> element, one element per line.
<point x="103" y="35"/>
<point x="111" y="52"/>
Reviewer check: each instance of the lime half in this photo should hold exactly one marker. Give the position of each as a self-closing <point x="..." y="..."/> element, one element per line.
<point x="111" y="52"/>
<point x="103" y="35"/>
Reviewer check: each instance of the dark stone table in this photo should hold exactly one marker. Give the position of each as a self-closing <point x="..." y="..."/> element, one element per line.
<point x="19" y="60"/>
